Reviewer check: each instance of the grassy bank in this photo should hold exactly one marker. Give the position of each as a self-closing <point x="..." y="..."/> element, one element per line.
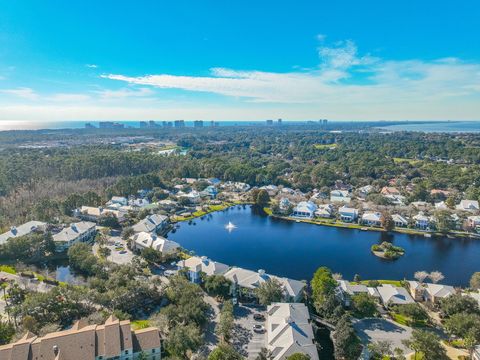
<point x="211" y="209"/>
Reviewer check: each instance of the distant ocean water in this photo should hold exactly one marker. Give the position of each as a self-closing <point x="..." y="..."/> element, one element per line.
<point x="444" y="126"/>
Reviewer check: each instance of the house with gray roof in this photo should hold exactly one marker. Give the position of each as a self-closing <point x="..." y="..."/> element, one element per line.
<point x="394" y="295"/>
<point x="83" y="231"/>
<point x="22" y="230"/>
<point x="196" y="265"/>
<point x="289" y="331"/>
<point x="151" y="224"/>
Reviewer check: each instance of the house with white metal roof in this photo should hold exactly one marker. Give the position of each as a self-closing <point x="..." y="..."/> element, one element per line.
<point x="22" y="230"/>
<point x="151" y="224"/>
<point x="196" y="265"/>
<point x="80" y="232"/>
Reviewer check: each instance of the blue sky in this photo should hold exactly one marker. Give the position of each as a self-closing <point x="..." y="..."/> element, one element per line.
<point x="239" y="60"/>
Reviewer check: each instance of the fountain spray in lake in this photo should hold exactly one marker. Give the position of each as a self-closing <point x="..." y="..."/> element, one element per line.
<point x="230" y="226"/>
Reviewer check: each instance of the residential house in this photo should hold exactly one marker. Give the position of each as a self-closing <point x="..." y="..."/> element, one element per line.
<point x="441" y="205"/>
<point x="476" y="353"/>
<point x="390" y="190"/>
<point x="143" y="240"/>
<point x="193" y="196"/>
<point x="346" y="290"/>
<point x="372" y="218"/>
<point x="196" y="265"/>
<point x="468" y="205"/>
<point x="22" y="230"/>
<point x="123" y="201"/>
<point x="210" y="191"/>
<point x="214" y="181"/>
<point x="324" y="211"/>
<point x="394" y="295"/>
<point x="429" y="292"/>
<point x="80" y="232"/>
<point x="139" y="202"/>
<point x="422" y="221"/>
<point x="271" y="189"/>
<point x="340" y="196"/>
<point x="151" y="224"/>
<point x="305" y="209"/>
<point x="399" y="220"/>
<point x="395" y="199"/>
<point x="364" y="191"/>
<point x="420" y="205"/>
<point x="284" y="204"/>
<point x="289" y="331"/>
<point x="246" y="281"/>
<point x="348" y="214"/>
<point x="473" y="221"/>
<point x="113" y="340"/>
<point x="91" y="213"/>
<point x="475" y="295"/>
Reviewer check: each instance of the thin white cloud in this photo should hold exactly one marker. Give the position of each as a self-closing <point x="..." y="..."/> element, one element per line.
<point x="67" y="97"/>
<point x="343" y="78"/>
<point x="22" y="92"/>
<point x="125" y="93"/>
<point x="91" y="66"/>
<point x="321" y="37"/>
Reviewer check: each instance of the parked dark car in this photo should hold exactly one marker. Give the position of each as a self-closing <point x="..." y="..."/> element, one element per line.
<point x="259" y="317"/>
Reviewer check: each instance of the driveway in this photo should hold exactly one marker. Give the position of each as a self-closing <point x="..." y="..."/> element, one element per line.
<point x="377" y="329"/>
<point x="246" y="341"/>
<point x="115" y="255"/>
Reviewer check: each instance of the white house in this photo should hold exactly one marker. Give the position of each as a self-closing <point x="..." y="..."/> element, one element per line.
<point x="22" y="230"/>
<point x="395" y="199"/>
<point x="289" y="331"/>
<point x="92" y="213"/>
<point x="152" y="224"/>
<point x="346" y="290"/>
<point x="399" y="220"/>
<point x="305" y="209"/>
<point x="372" y="218"/>
<point x="422" y="221"/>
<point x="284" y="204"/>
<point x="271" y="189"/>
<point x="468" y="205"/>
<point x="138" y="202"/>
<point x="441" y="205"/>
<point x="196" y="265"/>
<point x="83" y="231"/>
<point x="324" y="211"/>
<point x="340" y="196"/>
<point x="348" y="214"/>
<point x="364" y="191"/>
<point x="246" y="281"/>
<point x="430" y="292"/>
<point x="118" y="200"/>
<point x="393" y="295"/>
<point x="144" y="240"/>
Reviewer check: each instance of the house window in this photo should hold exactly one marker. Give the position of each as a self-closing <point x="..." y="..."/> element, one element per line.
<point x="153" y="351"/>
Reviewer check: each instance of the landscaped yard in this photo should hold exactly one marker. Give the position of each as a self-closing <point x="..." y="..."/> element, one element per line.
<point x="325" y="146"/>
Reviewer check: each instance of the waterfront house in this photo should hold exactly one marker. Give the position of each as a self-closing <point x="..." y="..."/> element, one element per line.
<point x="340" y="196"/>
<point x="244" y="283"/>
<point x="22" y="230"/>
<point x="372" y="218"/>
<point x="196" y="265"/>
<point x="473" y="221"/>
<point x="422" y="221"/>
<point x="193" y="196"/>
<point x="289" y="331"/>
<point x="284" y="204"/>
<point x="143" y="240"/>
<point x="468" y="205"/>
<point x="348" y="214"/>
<point x="324" y="211"/>
<point x="80" y="232"/>
<point x="151" y="224"/>
<point x="394" y="295"/>
<point x="112" y="340"/>
<point x="305" y="209"/>
<point x="430" y="292"/>
<point x="271" y="189"/>
<point x="345" y="290"/>
<point x="399" y="220"/>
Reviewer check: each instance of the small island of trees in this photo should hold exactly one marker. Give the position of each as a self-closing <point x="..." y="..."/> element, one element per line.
<point x="387" y="251"/>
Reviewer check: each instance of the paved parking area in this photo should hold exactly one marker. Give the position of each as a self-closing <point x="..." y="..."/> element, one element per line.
<point x="246" y="341"/>
<point x="116" y="256"/>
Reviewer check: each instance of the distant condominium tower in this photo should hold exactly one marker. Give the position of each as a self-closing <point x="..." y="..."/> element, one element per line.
<point x="279" y="121"/>
<point x="269" y="122"/>
<point x="198" y="123"/>
<point x="179" y="123"/>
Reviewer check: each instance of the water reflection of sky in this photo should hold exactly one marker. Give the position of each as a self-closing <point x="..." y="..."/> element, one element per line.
<point x="296" y="249"/>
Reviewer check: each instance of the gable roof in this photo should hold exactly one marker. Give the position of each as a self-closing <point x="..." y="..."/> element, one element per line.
<point x="203" y="264"/>
<point x="394" y="295"/>
<point x="150" y="223"/>
<point x="22" y="230"/>
<point x="73" y="231"/>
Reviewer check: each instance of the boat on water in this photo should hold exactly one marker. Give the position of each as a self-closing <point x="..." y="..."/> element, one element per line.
<point x="427" y="235"/>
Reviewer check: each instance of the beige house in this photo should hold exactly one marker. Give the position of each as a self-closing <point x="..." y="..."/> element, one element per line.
<point x="113" y="340"/>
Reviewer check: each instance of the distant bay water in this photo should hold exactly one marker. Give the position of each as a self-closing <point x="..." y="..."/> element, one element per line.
<point x="443" y="126"/>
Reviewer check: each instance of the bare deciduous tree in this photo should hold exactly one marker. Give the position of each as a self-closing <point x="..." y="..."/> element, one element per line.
<point x="436" y="276"/>
<point x="420" y="276"/>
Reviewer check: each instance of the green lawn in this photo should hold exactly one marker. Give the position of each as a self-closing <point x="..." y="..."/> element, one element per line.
<point x="324" y="146"/>
<point x="8" y="269"/>
<point x="139" y="324"/>
<point x="410" y="161"/>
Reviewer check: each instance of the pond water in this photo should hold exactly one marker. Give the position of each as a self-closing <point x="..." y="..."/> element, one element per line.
<point x="296" y="250"/>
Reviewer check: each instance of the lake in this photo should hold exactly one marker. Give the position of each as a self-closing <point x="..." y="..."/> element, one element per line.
<point x="296" y="250"/>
